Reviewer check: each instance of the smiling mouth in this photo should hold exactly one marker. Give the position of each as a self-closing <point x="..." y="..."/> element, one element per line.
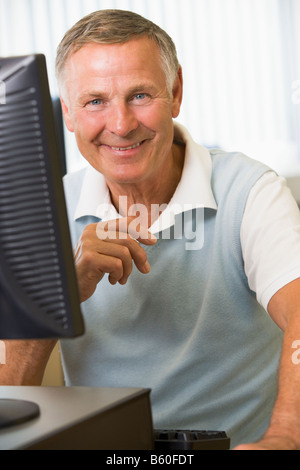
<point x="131" y="147"/>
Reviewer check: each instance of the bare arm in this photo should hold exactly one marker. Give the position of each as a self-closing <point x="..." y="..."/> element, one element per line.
<point x="25" y="362"/>
<point x="284" y="429"/>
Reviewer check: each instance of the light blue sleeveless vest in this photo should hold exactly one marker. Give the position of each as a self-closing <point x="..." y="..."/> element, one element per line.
<point x="191" y="330"/>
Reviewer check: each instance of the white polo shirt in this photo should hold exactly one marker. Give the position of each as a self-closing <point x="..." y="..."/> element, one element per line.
<point x="270" y="231"/>
<point x="191" y="329"/>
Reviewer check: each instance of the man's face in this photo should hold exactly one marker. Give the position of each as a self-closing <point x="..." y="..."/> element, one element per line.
<point x="118" y="105"/>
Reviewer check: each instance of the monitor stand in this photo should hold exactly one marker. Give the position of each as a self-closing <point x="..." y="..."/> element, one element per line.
<point x="14" y="412"/>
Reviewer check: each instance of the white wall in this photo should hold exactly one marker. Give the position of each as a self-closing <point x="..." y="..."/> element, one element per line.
<point x="241" y="63"/>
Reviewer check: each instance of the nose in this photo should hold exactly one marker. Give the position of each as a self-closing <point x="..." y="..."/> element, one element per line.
<point x="121" y="119"/>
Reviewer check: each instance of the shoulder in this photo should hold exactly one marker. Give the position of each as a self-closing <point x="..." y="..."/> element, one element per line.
<point x="73" y="183"/>
<point x="234" y="174"/>
<point x="232" y="164"/>
<point x="72" y="187"/>
<point x="74" y="178"/>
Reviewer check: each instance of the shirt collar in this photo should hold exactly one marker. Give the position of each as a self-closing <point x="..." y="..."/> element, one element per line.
<point x="193" y="191"/>
<point x="94" y="199"/>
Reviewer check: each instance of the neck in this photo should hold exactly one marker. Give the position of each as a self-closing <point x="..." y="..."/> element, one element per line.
<point x="148" y="199"/>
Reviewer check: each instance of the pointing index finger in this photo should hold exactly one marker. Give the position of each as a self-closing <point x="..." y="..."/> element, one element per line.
<point x="121" y="228"/>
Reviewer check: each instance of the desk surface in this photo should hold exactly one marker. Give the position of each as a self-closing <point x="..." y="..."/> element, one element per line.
<point x="81" y="418"/>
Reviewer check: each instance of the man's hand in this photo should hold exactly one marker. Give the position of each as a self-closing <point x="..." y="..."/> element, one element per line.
<point x="270" y="443"/>
<point x="110" y="247"/>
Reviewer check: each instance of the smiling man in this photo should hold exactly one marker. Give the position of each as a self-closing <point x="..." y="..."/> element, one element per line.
<point x="207" y="326"/>
<point x="122" y="114"/>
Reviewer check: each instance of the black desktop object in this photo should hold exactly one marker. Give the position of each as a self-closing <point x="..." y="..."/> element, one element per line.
<point x="38" y="287"/>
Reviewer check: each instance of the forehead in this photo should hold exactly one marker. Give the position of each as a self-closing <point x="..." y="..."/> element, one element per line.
<point x="108" y="60"/>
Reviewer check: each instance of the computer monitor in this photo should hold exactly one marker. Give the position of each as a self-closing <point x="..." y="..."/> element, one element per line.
<point x="38" y="287"/>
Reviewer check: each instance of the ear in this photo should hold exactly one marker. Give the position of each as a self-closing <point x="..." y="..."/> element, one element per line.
<point x="177" y="93"/>
<point x="67" y="116"/>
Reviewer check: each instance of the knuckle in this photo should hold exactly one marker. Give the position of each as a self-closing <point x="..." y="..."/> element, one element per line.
<point x="124" y="251"/>
<point x="117" y="265"/>
<point x="87" y="258"/>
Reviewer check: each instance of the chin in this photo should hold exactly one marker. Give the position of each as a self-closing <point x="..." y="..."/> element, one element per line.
<point x="126" y="177"/>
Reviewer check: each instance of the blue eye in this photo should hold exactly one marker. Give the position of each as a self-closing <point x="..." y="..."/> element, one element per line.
<point x="95" y="102"/>
<point x="140" y="96"/>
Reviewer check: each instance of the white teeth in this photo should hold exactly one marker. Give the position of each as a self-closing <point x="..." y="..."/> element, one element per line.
<point x="126" y="148"/>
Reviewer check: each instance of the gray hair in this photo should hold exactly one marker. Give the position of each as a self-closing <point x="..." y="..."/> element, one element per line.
<point x="112" y="27"/>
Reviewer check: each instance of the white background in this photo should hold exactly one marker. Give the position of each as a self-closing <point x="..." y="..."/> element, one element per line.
<point x="240" y="58"/>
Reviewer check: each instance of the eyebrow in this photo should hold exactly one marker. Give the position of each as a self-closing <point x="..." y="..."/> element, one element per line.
<point x="90" y="95"/>
<point x="142" y="87"/>
<point x="131" y="91"/>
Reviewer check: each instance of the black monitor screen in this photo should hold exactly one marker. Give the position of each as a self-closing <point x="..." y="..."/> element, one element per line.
<point x="38" y="287"/>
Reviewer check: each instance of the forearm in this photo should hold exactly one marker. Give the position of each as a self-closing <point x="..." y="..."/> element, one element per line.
<point x="25" y="362"/>
<point x="286" y="414"/>
<point x="284" y="429"/>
